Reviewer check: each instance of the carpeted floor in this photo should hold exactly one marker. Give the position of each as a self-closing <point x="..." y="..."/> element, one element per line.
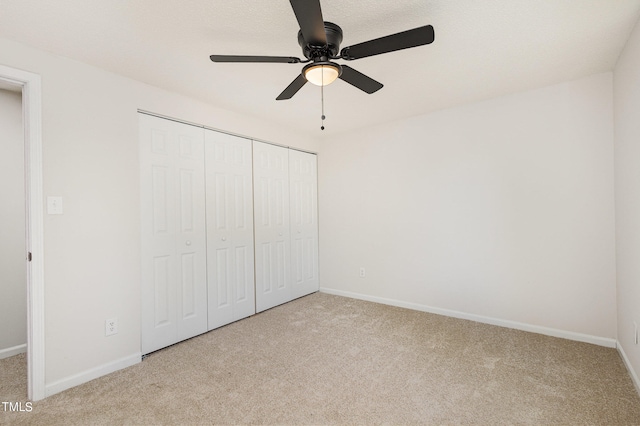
<point x="326" y="359"/>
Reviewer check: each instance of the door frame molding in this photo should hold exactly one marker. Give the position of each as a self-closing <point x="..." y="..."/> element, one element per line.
<point x="30" y="85"/>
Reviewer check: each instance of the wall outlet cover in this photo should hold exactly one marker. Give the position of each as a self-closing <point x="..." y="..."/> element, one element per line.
<point x="111" y="327"/>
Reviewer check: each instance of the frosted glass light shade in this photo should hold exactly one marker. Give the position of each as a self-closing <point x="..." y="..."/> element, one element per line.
<point x="322" y="75"/>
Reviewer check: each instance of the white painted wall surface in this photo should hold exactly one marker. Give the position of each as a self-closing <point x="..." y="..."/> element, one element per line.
<point x="13" y="280"/>
<point x="90" y="157"/>
<point x="502" y="209"/>
<point x="626" y="80"/>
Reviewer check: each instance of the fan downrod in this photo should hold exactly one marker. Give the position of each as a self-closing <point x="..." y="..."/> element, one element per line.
<point x="330" y="50"/>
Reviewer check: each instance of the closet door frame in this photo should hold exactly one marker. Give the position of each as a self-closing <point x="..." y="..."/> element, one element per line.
<point x="275" y="228"/>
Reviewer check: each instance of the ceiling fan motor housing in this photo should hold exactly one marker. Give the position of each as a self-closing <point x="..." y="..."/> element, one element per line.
<point x="334" y="38"/>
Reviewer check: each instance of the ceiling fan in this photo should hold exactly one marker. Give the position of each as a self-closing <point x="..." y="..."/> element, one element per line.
<point x="320" y="42"/>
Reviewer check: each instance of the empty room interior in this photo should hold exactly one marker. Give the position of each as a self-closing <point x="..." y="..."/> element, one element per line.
<point x="441" y="227"/>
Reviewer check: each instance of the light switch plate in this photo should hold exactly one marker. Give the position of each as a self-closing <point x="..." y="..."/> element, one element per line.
<point x="54" y="205"/>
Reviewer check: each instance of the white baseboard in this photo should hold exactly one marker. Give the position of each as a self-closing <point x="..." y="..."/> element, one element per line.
<point x="6" y="353"/>
<point x="94" y="373"/>
<point x="587" y="338"/>
<point x="632" y="372"/>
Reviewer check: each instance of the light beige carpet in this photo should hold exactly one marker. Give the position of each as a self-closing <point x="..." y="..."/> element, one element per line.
<point x="325" y="359"/>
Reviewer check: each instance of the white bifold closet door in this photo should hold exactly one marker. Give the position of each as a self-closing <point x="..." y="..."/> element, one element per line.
<point x="174" y="292"/>
<point x="272" y="235"/>
<point x="286" y="224"/>
<point x="303" y="188"/>
<point x="229" y="228"/>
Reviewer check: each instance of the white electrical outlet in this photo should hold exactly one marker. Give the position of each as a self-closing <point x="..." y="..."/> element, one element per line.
<point x="362" y="272"/>
<point x="111" y="326"/>
<point x="635" y="332"/>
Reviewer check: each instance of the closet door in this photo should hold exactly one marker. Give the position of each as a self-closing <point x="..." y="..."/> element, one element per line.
<point x="229" y="228"/>
<point x="272" y="235"/>
<point x="303" y="184"/>
<point x="174" y="304"/>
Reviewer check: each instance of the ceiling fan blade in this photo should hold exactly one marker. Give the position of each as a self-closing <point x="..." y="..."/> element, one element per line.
<point x="309" y="16"/>
<point x="359" y="80"/>
<point x="271" y="59"/>
<point x="404" y="40"/>
<point x="292" y="89"/>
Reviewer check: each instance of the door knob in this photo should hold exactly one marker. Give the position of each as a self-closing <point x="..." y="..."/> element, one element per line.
<point x="188" y="243"/>
<point x="224" y="238"/>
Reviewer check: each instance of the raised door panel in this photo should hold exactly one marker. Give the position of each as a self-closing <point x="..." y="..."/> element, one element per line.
<point x="304" y="222"/>
<point x="272" y="233"/>
<point x="191" y="232"/>
<point x="172" y="221"/>
<point x="229" y="228"/>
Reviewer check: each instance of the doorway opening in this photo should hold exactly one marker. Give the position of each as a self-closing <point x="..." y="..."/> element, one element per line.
<point x="29" y="86"/>
<point x="13" y="263"/>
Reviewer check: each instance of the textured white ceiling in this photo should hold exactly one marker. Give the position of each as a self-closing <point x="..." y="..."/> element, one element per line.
<point x="482" y="49"/>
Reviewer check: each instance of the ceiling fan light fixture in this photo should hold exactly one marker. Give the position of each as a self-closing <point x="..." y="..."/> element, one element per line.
<point x="321" y="73"/>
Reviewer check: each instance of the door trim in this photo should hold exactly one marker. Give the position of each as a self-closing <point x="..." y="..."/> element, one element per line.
<point x="30" y="84"/>
<point x="226" y="132"/>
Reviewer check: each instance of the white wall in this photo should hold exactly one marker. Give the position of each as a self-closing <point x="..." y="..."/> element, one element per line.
<point x="627" y="178"/>
<point x="502" y="209"/>
<point x="90" y="158"/>
<point x="13" y="280"/>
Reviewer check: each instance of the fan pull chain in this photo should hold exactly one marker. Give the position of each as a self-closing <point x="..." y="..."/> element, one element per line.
<point x="322" y="100"/>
